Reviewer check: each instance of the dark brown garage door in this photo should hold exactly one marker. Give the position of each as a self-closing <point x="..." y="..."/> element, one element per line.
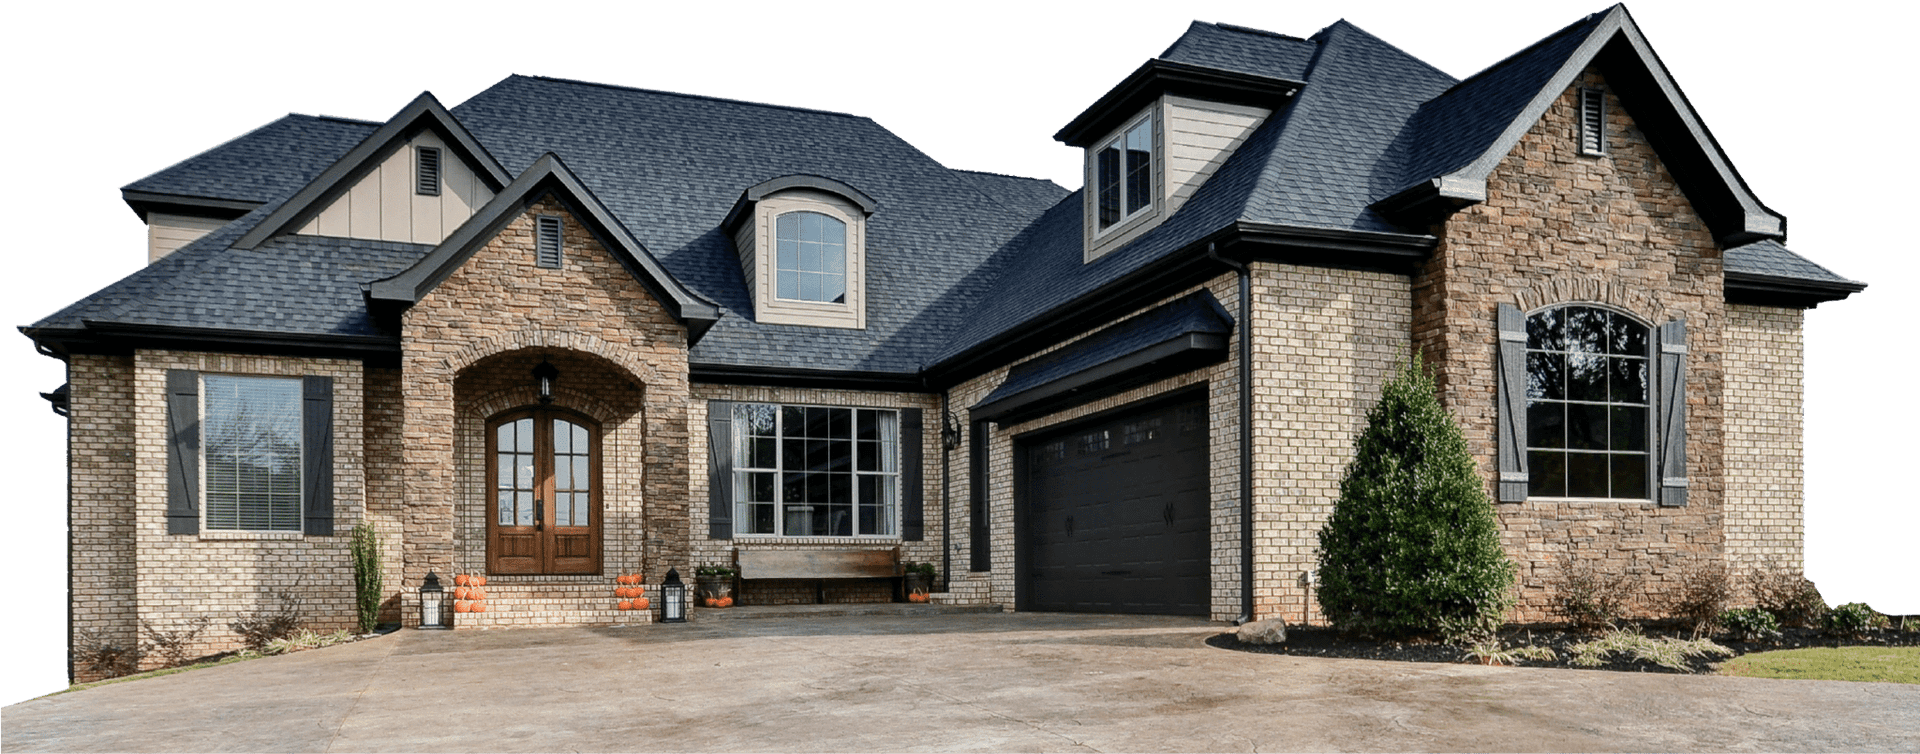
<point x="1113" y="514"/>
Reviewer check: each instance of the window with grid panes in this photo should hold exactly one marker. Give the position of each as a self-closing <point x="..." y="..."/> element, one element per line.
<point x="815" y="471"/>
<point x="252" y="460"/>
<point x="1588" y="413"/>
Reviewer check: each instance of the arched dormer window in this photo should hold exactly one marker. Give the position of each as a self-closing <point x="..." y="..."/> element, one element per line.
<point x="810" y="258"/>
<point x="802" y="244"/>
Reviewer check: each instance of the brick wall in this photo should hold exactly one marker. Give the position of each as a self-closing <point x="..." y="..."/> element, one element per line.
<point x="1560" y="227"/>
<point x="101" y="517"/>
<point x="716" y="551"/>
<point x="1765" y="489"/>
<point x="468" y="350"/>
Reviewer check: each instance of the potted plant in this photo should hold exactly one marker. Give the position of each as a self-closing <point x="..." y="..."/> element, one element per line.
<point x="713" y="585"/>
<point x="919" y="581"/>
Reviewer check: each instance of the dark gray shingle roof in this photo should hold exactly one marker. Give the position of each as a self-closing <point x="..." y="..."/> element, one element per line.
<point x="1770" y="258"/>
<point x="1237" y="48"/>
<point x="267" y="162"/>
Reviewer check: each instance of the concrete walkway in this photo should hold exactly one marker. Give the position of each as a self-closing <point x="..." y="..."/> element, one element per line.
<point x="969" y="682"/>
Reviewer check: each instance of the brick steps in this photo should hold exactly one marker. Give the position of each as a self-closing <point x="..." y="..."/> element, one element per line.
<point x="552" y="604"/>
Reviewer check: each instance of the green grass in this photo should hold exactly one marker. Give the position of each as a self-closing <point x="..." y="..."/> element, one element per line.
<point x="1883" y="664"/>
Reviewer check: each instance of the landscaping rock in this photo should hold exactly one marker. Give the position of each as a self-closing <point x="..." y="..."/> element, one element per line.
<point x="1269" y="631"/>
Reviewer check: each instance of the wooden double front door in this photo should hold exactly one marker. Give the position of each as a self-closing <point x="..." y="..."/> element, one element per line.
<point x="543" y="513"/>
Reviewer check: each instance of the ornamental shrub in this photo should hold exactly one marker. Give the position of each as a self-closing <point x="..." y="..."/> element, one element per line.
<point x="1751" y="624"/>
<point x="365" y="550"/>
<point x="1412" y="546"/>
<point x="1852" y="620"/>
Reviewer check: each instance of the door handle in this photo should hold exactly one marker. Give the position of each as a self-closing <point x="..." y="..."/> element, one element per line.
<point x="1069" y="526"/>
<point x="539" y="515"/>
<point x="1168" y="514"/>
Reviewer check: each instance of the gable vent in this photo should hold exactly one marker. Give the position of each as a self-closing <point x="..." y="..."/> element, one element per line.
<point x="426" y="172"/>
<point x="547" y="242"/>
<point x="1593" y="121"/>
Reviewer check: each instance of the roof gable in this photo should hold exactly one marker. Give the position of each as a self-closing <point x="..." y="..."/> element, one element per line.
<point x="549" y="177"/>
<point x="424" y="112"/>
<point x="1460" y="137"/>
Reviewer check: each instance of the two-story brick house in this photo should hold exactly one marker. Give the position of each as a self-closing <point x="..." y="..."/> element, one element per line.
<point x="564" y="331"/>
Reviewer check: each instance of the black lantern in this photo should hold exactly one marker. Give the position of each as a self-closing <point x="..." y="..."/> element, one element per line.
<point x="433" y="602"/>
<point x="545" y="374"/>
<point x="673" y="598"/>
<point x="949" y="432"/>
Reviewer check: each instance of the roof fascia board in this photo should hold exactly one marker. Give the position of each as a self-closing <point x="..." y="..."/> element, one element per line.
<point x="1182" y="353"/>
<point x="423" y="112"/>
<point x="1317" y="247"/>
<point x="144" y="202"/>
<point x="108" y="337"/>
<point x="1431" y="199"/>
<point x="1776" y="290"/>
<point x="729" y="374"/>
<point x="549" y="175"/>
<point x="767" y="188"/>
<point x="1157" y="77"/>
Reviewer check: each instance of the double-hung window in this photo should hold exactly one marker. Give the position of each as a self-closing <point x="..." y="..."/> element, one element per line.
<point x="253" y="455"/>
<point x="816" y="471"/>
<point x="1123" y="172"/>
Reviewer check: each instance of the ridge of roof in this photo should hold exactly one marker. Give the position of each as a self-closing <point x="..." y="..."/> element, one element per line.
<point x="1590" y="18"/>
<point x="706" y="97"/>
<point x="1252" y="30"/>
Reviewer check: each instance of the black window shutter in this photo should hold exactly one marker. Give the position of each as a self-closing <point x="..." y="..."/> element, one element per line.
<point x="183" y="451"/>
<point x="912" y="518"/>
<point x="979" y="532"/>
<point x="720" y="469"/>
<point x="1673" y="413"/>
<point x="1512" y="397"/>
<point x="316" y="424"/>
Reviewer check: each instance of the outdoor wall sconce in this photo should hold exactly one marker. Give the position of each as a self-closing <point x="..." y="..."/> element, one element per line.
<point x="673" y="598"/>
<point x="545" y="374"/>
<point x="949" y="432"/>
<point x="433" y="602"/>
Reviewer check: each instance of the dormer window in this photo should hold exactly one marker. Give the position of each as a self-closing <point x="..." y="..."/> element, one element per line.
<point x="1124" y="170"/>
<point x="802" y="243"/>
<point x="810" y="258"/>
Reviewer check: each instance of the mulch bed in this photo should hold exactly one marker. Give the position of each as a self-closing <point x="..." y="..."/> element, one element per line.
<point x="1321" y="641"/>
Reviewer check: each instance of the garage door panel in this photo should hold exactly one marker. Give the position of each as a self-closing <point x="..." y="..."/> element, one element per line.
<point x="1116" y="515"/>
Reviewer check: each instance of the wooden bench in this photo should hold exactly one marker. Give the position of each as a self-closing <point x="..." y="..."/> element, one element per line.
<point x="819" y="566"/>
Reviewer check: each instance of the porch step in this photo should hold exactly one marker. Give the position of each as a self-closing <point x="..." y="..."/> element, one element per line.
<point x="968" y="591"/>
<point x="552" y="604"/>
<point x="907" y="609"/>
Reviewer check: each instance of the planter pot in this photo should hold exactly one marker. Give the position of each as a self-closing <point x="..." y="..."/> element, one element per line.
<point x="919" y="583"/>
<point x="712" y="586"/>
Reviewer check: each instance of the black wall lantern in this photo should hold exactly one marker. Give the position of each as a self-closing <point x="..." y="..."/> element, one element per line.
<point x="433" y="602"/>
<point x="545" y="375"/>
<point x="673" y="598"/>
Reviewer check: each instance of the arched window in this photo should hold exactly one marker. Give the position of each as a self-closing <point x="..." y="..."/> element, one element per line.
<point x="810" y="259"/>
<point x="1589" y="396"/>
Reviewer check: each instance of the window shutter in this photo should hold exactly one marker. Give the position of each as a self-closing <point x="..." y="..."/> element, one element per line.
<point x="1512" y="399"/>
<point x="316" y="427"/>
<point x="720" y="469"/>
<point x="1593" y="121"/>
<point x="912" y="437"/>
<point x="1673" y="413"/>
<point x="183" y="451"/>
<point x="979" y="532"/>
<point x="426" y="173"/>
<point x="547" y="242"/>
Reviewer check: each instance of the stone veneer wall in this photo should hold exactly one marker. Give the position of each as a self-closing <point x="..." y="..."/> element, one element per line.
<point x="1765" y="491"/>
<point x="705" y="551"/>
<point x="128" y="569"/>
<point x="101" y="511"/>
<point x="600" y="325"/>
<point x="1560" y="227"/>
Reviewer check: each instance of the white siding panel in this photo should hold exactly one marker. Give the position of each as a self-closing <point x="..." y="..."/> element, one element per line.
<point x="383" y="205"/>
<point x="363" y="214"/>
<point x="458" y="200"/>
<point x="167" y="233"/>
<point x="396" y="196"/>
<point x="333" y="220"/>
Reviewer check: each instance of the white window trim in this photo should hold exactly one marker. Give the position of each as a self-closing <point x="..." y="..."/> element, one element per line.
<point x="207" y="530"/>
<point x="1099" y="240"/>
<point x="740" y="513"/>
<point x="769" y="308"/>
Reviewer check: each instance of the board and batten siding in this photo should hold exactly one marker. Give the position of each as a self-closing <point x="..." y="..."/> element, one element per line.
<point x="1200" y="136"/>
<point x="383" y="206"/>
<point x="167" y="233"/>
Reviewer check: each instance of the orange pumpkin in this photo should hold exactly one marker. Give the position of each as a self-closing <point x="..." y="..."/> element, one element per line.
<point x="460" y="592"/>
<point x="620" y="591"/>
<point x="624" y="605"/>
<point x="638" y="590"/>
<point x="461" y="579"/>
<point x="726" y="602"/>
<point x="476" y="593"/>
<point x="642" y="603"/>
<point x="461" y="606"/>
<point x="479" y="581"/>
<point x="480" y="606"/>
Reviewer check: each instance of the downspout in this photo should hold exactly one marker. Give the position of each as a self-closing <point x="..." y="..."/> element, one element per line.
<point x="1245" y="326"/>
<point x="946" y="493"/>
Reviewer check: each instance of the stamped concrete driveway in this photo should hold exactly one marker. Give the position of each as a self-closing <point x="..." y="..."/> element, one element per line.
<point x="980" y="682"/>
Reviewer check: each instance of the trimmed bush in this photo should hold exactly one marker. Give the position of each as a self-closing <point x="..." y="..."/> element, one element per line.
<point x="1788" y="595"/>
<point x="1852" y="620"/>
<point x="1706" y="587"/>
<point x="365" y="550"/>
<point x="1751" y="624"/>
<point x="1588" y="596"/>
<point x="1412" y="546"/>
